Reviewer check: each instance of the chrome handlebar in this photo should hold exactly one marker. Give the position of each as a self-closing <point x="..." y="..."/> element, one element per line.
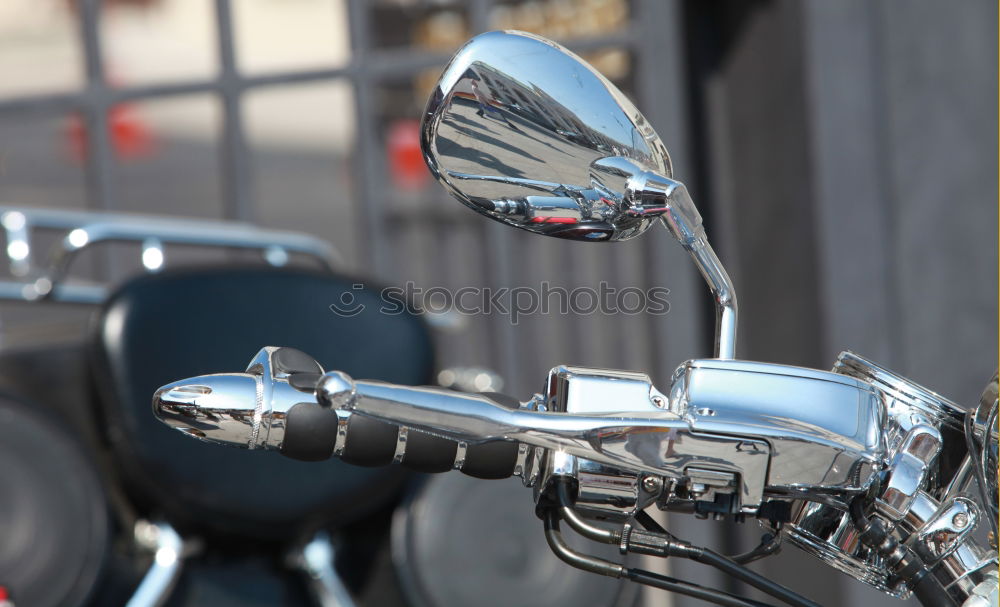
<point x="729" y="437"/>
<point x="727" y="428"/>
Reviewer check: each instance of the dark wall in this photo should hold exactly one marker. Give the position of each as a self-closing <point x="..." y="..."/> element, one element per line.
<point x="749" y="98"/>
<point x="846" y="164"/>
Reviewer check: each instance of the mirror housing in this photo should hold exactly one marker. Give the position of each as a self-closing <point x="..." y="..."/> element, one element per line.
<point x="558" y="149"/>
<point x="523" y="131"/>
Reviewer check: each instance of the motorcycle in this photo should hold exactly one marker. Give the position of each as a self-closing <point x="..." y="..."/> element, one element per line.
<point x="870" y="472"/>
<point x="109" y="505"/>
<point x="114" y="508"/>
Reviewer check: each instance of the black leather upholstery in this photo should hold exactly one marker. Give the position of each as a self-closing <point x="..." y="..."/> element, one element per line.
<point x="161" y="328"/>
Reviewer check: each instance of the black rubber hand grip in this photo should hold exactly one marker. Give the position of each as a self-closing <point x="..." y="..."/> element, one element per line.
<point x="429" y="453"/>
<point x="311" y="433"/>
<point x="370" y="442"/>
<point x="493" y="459"/>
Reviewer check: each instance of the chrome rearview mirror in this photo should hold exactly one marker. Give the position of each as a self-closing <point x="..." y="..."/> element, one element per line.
<point x="525" y="132"/>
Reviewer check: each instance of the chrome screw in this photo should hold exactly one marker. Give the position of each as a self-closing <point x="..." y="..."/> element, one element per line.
<point x="960" y="520"/>
<point x="652" y="484"/>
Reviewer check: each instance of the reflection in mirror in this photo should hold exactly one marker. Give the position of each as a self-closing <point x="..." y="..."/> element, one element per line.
<point x="523" y="131"/>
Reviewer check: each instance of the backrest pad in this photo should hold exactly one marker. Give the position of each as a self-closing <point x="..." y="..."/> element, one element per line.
<point x="161" y="328"/>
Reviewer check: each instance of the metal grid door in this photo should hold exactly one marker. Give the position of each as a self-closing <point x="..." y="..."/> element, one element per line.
<point x="444" y="244"/>
<point x="382" y="229"/>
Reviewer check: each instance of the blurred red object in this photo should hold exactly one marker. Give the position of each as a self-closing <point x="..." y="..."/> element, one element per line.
<point x="406" y="162"/>
<point x="130" y="137"/>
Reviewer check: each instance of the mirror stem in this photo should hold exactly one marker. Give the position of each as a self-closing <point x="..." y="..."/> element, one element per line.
<point x="678" y="214"/>
<point x="722" y="290"/>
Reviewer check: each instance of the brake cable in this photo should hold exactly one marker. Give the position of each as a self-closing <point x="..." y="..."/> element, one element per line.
<point x="596" y="565"/>
<point x="659" y="542"/>
<point x="770" y="543"/>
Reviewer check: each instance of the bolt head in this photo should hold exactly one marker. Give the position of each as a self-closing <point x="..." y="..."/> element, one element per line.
<point x="336" y="391"/>
<point x="960" y="520"/>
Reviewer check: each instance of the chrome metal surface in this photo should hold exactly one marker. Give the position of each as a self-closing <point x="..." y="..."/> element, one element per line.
<point x="781" y="430"/>
<point x="723" y="292"/>
<point x="961" y="571"/>
<point x="336" y="390"/>
<point x="724" y="416"/>
<point x="917" y="483"/>
<point x="583" y="390"/>
<point x="824" y="429"/>
<point x="986" y="593"/>
<point x="316" y="560"/>
<point x="606" y="492"/>
<point x="644" y="443"/>
<point x="341" y="441"/>
<point x="958" y="560"/>
<point x="964" y="480"/>
<point x="826" y="532"/>
<point x="525" y="132"/>
<point x="908" y="471"/>
<point x="962" y="566"/>
<point x="555" y="465"/>
<point x="909" y="404"/>
<point x="168" y="553"/>
<point x="522" y="462"/>
<point x="45" y="276"/>
<point x="402" y="433"/>
<point x="743" y="430"/>
<point x="946" y="529"/>
<point x="562" y="464"/>
<point x="534" y="461"/>
<point x="239" y="409"/>
<point x="460" y="451"/>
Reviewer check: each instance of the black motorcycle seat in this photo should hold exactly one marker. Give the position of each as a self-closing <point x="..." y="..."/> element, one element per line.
<point x="161" y="328"/>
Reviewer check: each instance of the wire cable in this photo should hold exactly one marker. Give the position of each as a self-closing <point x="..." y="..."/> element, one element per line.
<point x="649" y="523"/>
<point x="769" y="544"/>
<point x="904" y="563"/>
<point x="574" y="520"/>
<point x="641" y="576"/>
<point x="668" y="545"/>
